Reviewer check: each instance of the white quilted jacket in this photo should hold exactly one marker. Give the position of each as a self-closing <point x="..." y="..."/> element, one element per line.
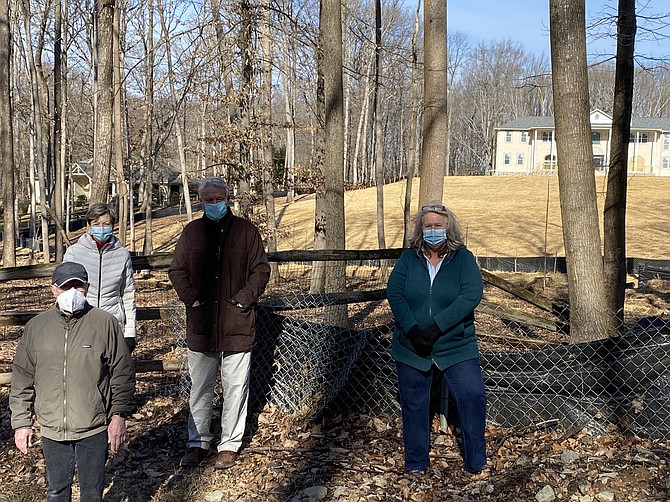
<point x="110" y="274"/>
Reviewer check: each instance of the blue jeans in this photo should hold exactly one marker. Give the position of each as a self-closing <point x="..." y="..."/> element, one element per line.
<point x="466" y="386"/>
<point x="89" y="455"/>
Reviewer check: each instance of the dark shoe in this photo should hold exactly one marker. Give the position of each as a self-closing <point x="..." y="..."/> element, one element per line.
<point x="193" y="457"/>
<point x="225" y="459"/>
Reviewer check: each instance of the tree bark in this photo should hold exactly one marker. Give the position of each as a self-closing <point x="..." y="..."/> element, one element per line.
<point x="59" y="176"/>
<point x="589" y="319"/>
<point x="122" y="187"/>
<point x="266" y="133"/>
<point x="149" y="153"/>
<point x="615" y="200"/>
<point x="413" y="132"/>
<point x="435" y="127"/>
<point x="379" y="133"/>
<point x="104" y="110"/>
<point x="7" y="139"/>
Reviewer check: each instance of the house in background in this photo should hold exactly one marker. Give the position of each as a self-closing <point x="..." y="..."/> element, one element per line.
<point x="527" y="145"/>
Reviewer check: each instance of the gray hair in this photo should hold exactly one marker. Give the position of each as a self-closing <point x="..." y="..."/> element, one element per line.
<point x="98" y="209"/>
<point x="454" y="234"/>
<point x="215" y="182"/>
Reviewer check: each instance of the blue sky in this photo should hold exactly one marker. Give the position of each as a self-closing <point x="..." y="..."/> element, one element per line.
<point x="527" y="21"/>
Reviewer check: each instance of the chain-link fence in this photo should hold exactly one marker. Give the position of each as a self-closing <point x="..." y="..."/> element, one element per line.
<point x="330" y="353"/>
<point x="325" y="352"/>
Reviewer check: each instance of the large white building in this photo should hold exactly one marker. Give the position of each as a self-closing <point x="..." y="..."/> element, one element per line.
<point x="527" y="145"/>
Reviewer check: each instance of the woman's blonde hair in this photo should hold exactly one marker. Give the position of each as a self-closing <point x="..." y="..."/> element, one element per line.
<point x="454" y="235"/>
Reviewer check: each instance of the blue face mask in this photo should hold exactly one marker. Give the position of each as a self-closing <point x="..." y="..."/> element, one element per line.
<point x="434" y="237"/>
<point x="216" y="211"/>
<point x="101" y="234"/>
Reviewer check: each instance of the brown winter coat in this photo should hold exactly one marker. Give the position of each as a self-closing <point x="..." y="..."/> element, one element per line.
<point x="220" y="264"/>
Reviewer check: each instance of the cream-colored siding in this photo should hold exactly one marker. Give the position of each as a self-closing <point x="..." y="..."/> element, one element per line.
<point x="528" y="146"/>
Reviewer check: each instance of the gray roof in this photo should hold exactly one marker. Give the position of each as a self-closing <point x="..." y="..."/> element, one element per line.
<point x="527" y="123"/>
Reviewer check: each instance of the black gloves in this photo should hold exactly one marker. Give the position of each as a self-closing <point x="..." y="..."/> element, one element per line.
<point x="423" y="339"/>
<point x="130" y="343"/>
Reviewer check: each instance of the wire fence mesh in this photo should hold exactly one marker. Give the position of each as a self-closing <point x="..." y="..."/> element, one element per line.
<point x="308" y="362"/>
<point x="323" y="352"/>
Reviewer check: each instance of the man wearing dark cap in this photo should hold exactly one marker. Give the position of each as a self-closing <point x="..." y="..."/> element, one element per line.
<point x="72" y="372"/>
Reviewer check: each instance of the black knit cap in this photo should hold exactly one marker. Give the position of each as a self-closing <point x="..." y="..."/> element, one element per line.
<point x="69" y="271"/>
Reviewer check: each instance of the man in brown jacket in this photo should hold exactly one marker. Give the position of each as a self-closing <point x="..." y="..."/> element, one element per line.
<point x="219" y="270"/>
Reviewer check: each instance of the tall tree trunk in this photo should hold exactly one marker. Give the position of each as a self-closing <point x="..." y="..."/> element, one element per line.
<point x="246" y="90"/>
<point x="175" y="103"/>
<point x="104" y="110"/>
<point x="118" y="128"/>
<point x="266" y="132"/>
<point x="589" y="318"/>
<point x="289" y="78"/>
<point x="615" y="200"/>
<point x="379" y="133"/>
<point x="39" y="192"/>
<point x="330" y="28"/>
<point x="413" y="140"/>
<point x="435" y="127"/>
<point x="148" y="247"/>
<point x="58" y="132"/>
<point x="64" y="157"/>
<point x="7" y="139"/>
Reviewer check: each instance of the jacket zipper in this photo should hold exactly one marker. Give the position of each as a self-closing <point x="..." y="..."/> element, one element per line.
<point x="99" y="277"/>
<point x="65" y="350"/>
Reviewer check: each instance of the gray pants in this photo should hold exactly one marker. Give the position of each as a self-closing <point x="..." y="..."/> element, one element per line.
<point x="202" y="367"/>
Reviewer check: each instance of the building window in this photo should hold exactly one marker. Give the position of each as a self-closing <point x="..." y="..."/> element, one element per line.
<point x="665" y="162"/>
<point x="519" y="159"/>
<point x="666" y="141"/>
<point x="640" y="137"/>
<point x="508" y="159"/>
<point x="508" y="137"/>
<point x="547" y="136"/>
<point x="524" y="137"/>
<point x="644" y="138"/>
<point x="599" y="162"/>
<point x="595" y="138"/>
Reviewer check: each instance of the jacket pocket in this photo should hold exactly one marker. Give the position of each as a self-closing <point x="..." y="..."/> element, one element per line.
<point x="239" y="321"/>
<point x="198" y="319"/>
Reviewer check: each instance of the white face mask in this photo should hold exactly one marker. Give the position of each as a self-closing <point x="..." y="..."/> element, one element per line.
<point x="71" y="301"/>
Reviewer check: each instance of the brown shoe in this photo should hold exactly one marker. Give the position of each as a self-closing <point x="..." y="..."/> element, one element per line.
<point x="193" y="457"/>
<point x="225" y="459"/>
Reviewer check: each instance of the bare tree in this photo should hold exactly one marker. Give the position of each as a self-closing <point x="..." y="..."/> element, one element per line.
<point x="378" y="127"/>
<point x="104" y="102"/>
<point x="434" y="162"/>
<point x="149" y="153"/>
<point x="266" y="132"/>
<point x="37" y="156"/>
<point x="176" y="104"/>
<point x="6" y="138"/>
<point x="121" y="184"/>
<point x="615" y="200"/>
<point x="412" y="151"/>
<point x="589" y="319"/>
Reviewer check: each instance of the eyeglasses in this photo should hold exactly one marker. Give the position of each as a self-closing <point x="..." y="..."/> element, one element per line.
<point x="433" y="207"/>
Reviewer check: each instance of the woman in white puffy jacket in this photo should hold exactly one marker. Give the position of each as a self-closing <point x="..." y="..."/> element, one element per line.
<point x="109" y="267"/>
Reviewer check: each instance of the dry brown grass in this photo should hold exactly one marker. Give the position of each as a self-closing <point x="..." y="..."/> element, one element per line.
<point x="500" y="216"/>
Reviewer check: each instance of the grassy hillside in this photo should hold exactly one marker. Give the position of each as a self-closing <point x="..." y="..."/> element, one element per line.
<point x="501" y="216"/>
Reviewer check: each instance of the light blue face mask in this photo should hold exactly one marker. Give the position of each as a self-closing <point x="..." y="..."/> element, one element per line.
<point x="434" y="237"/>
<point x="101" y="234"/>
<point x="216" y="212"/>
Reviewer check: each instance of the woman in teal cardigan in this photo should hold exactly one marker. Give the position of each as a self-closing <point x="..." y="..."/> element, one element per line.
<point x="433" y="291"/>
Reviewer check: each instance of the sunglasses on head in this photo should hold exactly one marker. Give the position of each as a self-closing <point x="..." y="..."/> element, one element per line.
<point x="433" y="207"/>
